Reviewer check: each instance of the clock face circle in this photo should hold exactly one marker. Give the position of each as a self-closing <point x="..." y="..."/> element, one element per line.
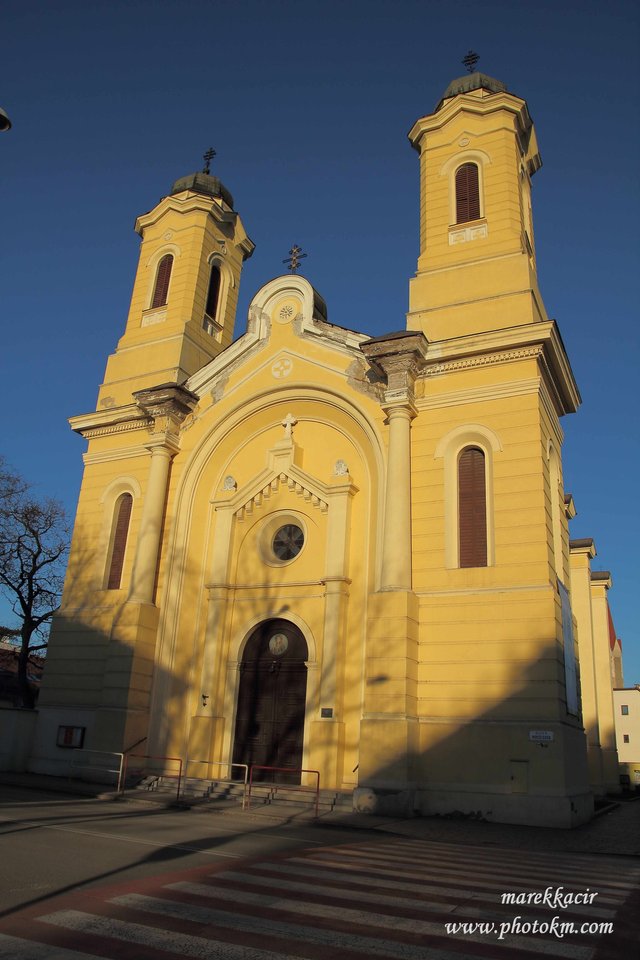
<point x="278" y="644"/>
<point x="288" y="542"/>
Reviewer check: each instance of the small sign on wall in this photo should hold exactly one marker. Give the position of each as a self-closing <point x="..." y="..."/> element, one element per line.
<point x="71" y="737"/>
<point x="541" y="736"/>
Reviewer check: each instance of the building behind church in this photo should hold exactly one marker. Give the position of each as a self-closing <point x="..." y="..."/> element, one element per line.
<point x="307" y="549"/>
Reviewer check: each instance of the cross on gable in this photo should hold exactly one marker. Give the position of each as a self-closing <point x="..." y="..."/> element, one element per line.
<point x="289" y="423"/>
<point x="294" y="258"/>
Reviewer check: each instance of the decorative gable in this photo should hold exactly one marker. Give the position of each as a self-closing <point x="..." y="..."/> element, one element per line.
<point x="296" y="484"/>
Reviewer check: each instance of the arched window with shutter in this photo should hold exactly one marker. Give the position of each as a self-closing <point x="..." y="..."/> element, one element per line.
<point x="467" y="193"/>
<point x="556" y="494"/>
<point x="213" y="293"/>
<point x="163" y="276"/>
<point x="472" y="508"/>
<point x="119" y="535"/>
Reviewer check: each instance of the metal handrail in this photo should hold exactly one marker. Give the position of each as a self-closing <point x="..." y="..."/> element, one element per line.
<point x="148" y="756"/>
<point x="90" y="766"/>
<point x="220" y="763"/>
<point x="293" y="786"/>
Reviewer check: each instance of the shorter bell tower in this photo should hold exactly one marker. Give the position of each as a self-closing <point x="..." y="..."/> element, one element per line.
<point x="186" y="288"/>
<point x="477" y="265"/>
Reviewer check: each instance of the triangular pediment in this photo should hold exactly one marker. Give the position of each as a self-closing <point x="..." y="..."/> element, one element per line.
<point x="294" y="480"/>
<point x="278" y="476"/>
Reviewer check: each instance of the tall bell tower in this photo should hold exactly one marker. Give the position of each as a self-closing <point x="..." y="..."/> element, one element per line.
<point x="477" y="264"/>
<point x="185" y="291"/>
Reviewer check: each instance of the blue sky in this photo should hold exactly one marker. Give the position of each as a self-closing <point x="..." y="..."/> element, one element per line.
<point x="308" y="105"/>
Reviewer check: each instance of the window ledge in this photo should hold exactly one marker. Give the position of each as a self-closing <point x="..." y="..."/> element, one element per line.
<point x="463" y="232"/>
<point x="210" y="326"/>
<point x="154" y="315"/>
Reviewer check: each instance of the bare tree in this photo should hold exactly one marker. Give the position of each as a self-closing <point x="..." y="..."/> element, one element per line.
<point x="34" y="540"/>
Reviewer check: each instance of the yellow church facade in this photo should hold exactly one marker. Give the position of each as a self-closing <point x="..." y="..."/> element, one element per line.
<point x="307" y="549"/>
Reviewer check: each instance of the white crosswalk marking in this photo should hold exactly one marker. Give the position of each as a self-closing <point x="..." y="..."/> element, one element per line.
<point x="15" y="948"/>
<point x="387" y="898"/>
<point x="189" y="946"/>
<point x="423" y="927"/>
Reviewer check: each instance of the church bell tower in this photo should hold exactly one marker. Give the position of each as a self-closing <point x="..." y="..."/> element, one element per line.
<point x="185" y="291"/>
<point x="477" y="265"/>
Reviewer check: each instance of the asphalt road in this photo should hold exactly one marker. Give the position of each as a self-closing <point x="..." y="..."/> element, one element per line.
<point x="52" y="844"/>
<point x="131" y="880"/>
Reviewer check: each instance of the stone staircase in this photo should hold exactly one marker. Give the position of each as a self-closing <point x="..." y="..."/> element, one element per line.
<point x="226" y="794"/>
<point x="287" y="798"/>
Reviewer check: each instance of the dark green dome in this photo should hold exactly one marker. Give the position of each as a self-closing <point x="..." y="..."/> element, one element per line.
<point x="203" y="183"/>
<point x="472" y="81"/>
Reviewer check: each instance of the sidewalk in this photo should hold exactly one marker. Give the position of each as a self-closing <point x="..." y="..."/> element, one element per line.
<point x="615" y="832"/>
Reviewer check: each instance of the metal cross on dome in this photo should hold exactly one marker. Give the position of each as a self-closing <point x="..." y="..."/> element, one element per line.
<point x="294" y="258"/>
<point x="208" y="157"/>
<point x="470" y="60"/>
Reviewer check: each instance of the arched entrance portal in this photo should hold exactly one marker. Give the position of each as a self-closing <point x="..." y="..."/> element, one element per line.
<point x="271" y="700"/>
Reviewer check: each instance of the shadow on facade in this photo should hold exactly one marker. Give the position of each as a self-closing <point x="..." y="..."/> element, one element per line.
<point x="134" y="683"/>
<point x="520" y="759"/>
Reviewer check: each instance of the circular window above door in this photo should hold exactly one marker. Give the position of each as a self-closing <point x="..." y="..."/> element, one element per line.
<point x="287" y="542"/>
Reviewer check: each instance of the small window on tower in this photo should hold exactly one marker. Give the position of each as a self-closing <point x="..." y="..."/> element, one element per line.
<point x="163" y="276"/>
<point x="213" y="298"/>
<point x="467" y="193"/>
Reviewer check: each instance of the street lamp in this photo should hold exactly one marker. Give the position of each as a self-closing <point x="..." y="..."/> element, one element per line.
<point x="5" y="123"/>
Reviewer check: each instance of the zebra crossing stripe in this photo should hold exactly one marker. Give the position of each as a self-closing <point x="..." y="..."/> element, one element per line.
<point x="486" y="881"/>
<point x="415" y="925"/>
<point x="406" y="945"/>
<point x="428" y="891"/>
<point x="372" y="901"/>
<point x="220" y="886"/>
<point x="382" y="862"/>
<point x="15" y="948"/>
<point x="182" y="944"/>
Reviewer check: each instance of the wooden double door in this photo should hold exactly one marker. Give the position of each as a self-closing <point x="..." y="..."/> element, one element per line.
<point x="271" y="701"/>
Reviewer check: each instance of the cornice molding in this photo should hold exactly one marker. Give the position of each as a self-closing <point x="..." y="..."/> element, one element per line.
<point x="482" y="106"/>
<point x="601" y="578"/>
<point x="540" y="341"/>
<point x="124" y="453"/>
<point x="158" y="410"/>
<point x="144" y="423"/>
<point x="500" y="391"/>
<point x="481" y="360"/>
<point x="585" y="546"/>
<point x="272" y="587"/>
<point x="112" y="416"/>
<point x="186" y="202"/>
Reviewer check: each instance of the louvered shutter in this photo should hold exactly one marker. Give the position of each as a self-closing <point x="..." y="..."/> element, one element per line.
<point x="472" y="508"/>
<point x="162" y="281"/>
<point x="122" y="516"/>
<point x="467" y="193"/>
